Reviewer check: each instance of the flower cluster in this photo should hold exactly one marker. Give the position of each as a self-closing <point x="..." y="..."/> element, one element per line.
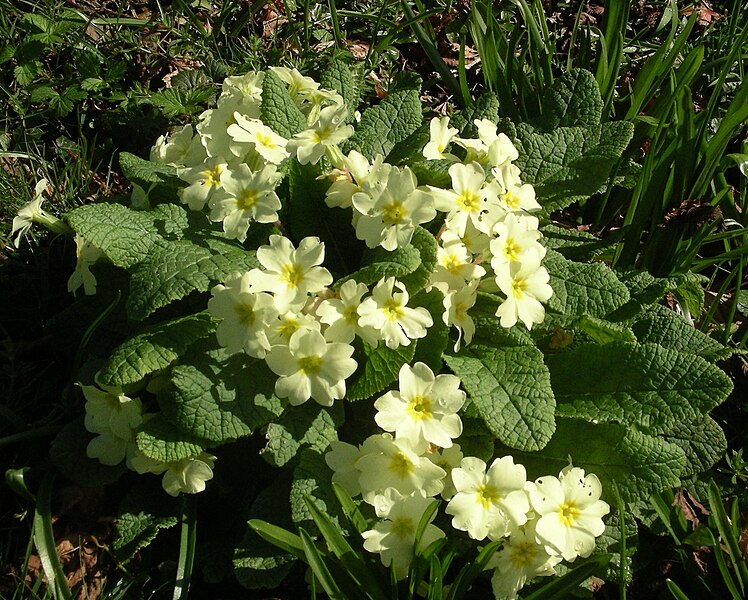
<point x="115" y="417"/>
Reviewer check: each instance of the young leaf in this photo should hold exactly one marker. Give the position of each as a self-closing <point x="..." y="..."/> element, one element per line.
<point x="511" y="389"/>
<point x="279" y="111"/>
<point x="339" y="77"/>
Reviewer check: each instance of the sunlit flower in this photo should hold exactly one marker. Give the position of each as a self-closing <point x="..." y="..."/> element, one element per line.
<point x="519" y="560"/>
<point x="394" y="538"/>
<point x="181" y="148"/>
<point x="341" y="315"/>
<point x="456" y="306"/>
<point x="448" y="459"/>
<point x="387" y="312"/>
<point x="245" y="316"/>
<point x="203" y="181"/>
<point x="253" y="133"/>
<point x="569" y="511"/>
<point x="310" y="367"/>
<point x="423" y="409"/>
<point x="329" y="130"/>
<point x="441" y="134"/>
<point x="33" y="213"/>
<point x="280" y="329"/>
<point x="386" y="462"/>
<point x="454" y="264"/>
<point x="488" y="503"/>
<point x="245" y="196"/>
<point x="525" y="285"/>
<point x="291" y="274"/>
<point x="516" y="234"/>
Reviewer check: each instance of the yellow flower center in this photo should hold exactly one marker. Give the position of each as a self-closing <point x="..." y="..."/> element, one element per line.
<point x="452" y="263"/>
<point x="518" y="288"/>
<point x="568" y="513"/>
<point x="460" y="310"/>
<point x="292" y="275"/>
<point x="511" y="201"/>
<point x="403" y="527"/>
<point x="511" y="250"/>
<point x="245" y="313"/>
<point x="246" y="200"/>
<point x="468" y="201"/>
<point x="401" y="465"/>
<point x="394" y="213"/>
<point x="288" y="327"/>
<point x="212" y="177"/>
<point x="488" y="495"/>
<point x="523" y="554"/>
<point x="265" y="141"/>
<point x="392" y="310"/>
<point x="320" y="135"/>
<point x="309" y="365"/>
<point x="419" y="408"/>
<point x="350" y="315"/>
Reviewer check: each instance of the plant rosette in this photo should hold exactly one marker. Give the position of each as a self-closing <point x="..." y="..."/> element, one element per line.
<point x="293" y="276"/>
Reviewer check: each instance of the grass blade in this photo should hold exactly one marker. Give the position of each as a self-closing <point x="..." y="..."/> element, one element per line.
<point x="44" y="540"/>
<point x="561" y="587"/>
<point x="675" y="590"/>
<point x="319" y="568"/>
<point x="285" y="540"/>
<point x="351" y="511"/>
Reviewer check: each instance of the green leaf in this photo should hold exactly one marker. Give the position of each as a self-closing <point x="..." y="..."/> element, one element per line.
<point x="568" y="164"/>
<point x="144" y="172"/>
<point x="339" y="77"/>
<point x="174" y="269"/>
<point x="219" y="399"/>
<point x="312" y="480"/>
<point x="573" y="101"/>
<point x="153" y="350"/>
<point x="579" y="289"/>
<point x="429" y="349"/>
<point x="93" y="84"/>
<point x="642" y="384"/>
<point x="511" y="389"/>
<point x="278" y="110"/>
<point x="638" y="464"/>
<point x="381" y="264"/>
<point x="433" y="172"/>
<point x="426" y="245"/>
<point x="257" y="562"/>
<point x="377" y="369"/>
<point x="160" y="440"/>
<point x="410" y="148"/>
<point x="309" y="425"/>
<point x="662" y="326"/>
<point x="604" y="332"/>
<point x="384" y="125"/>
<point x="702" y="440"/>
<point x="68" y="454"/>
<point x="486" y="106"/>
<point x="125" y="236"/>
<point x="141" y="515"/>
<point x="180" y="101"/>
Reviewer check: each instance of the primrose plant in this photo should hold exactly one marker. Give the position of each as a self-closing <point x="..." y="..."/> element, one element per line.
<point x="385" y="306"/>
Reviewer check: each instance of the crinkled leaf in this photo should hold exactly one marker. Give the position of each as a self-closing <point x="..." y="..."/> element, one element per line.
<point x="278" y="110"/>
<point x="426" y="245"/>
<point x="312" y="479"/>
<point x="642" y="384"/>
<point x="124" y="236"/>
<point x="381" y="264"/>
<point x="339" y="76"/>
<point x="217" y="398"/>
<point x="511" y="389"/>
<point x="384" y="125"/>
<point x="177" y="101"/>
<point x="144" y="172"/>
<point x="702" y="440"/>
<point x="174" y="269"/>
<point x="486" y="106"/>
<point x="637" y="463"/>
<point x="583" y="288"/>
<point x="411" y="148"/>
<point x="572" y="101"/>
<point x="160" y="440"/>
<point x="309" y="425"/>
<point x="662" y="326"/>
<point x="568" y="164"/>
<point x="575" y="245"/>
<point x="377" y="369"/>
<point x="429" y="349"/>
<point x="433" y="172"/>
<point x="68" y="453"/>
<point x="258" y="563"/>
<point x="604" y="332"/>
<point x="306" y="214"/>
<point x="141" y="515"/>
<point x="153" y="349"/>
